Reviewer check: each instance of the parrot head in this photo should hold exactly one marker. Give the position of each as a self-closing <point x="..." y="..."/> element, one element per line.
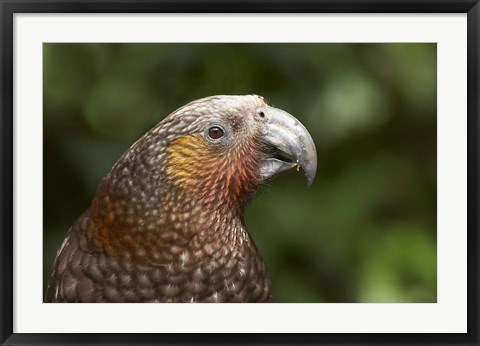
<point x="224" y="147"/>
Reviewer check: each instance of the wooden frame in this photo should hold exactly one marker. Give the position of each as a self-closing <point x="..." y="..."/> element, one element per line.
<point x="9" y="8"/>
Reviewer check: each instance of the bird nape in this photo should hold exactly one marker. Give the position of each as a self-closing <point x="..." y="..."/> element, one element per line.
<point x="166" y="223"/>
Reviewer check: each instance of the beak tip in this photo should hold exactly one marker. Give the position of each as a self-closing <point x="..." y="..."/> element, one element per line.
<point x="310" y="178"/>
<point x="309" y="166"/>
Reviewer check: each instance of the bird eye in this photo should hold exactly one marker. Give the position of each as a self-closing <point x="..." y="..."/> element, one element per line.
<point x="261" y="114"/>
<point x="215" y="132"/>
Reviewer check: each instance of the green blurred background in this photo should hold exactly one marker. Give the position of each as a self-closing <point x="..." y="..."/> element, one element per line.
<point x="364" y="232"/>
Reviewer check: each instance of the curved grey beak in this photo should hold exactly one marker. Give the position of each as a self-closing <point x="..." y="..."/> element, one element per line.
<point x="283" y="133"/>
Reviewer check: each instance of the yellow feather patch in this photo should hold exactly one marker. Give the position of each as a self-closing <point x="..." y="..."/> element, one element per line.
<point x="187" y="156"/>
<point x="215" y="176"/>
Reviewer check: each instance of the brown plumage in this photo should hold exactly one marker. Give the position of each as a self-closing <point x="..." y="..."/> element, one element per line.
<point x="166" y="224"/>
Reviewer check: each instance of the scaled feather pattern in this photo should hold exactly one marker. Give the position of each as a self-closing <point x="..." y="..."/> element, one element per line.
<point x="166" y="223"/>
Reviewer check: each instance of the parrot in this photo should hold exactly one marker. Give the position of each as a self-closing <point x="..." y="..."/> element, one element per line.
<point x="166" y="224"/>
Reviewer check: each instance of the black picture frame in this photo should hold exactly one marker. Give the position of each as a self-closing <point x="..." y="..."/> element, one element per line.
<point x="10" y="7"/>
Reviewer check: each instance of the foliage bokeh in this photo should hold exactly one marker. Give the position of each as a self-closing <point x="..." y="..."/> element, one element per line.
<point x="364" y="232"/>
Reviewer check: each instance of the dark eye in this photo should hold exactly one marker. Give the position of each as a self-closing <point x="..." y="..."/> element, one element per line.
<point x="261" y="114"/>
<point x="215" y="132"/>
